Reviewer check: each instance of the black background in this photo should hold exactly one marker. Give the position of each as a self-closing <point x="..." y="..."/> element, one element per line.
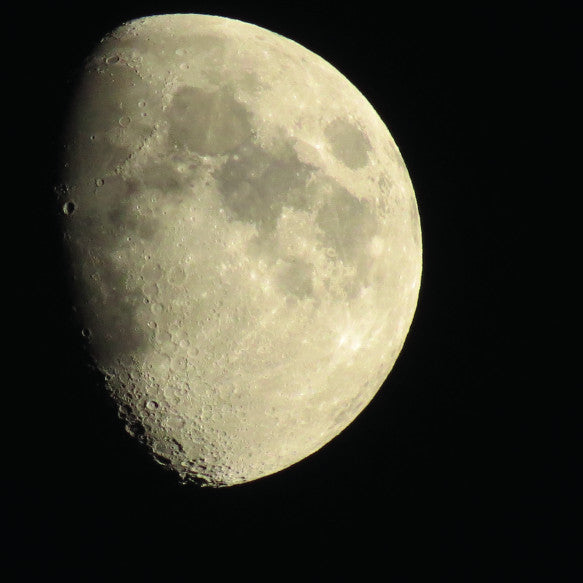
<point x="455" y="466"/>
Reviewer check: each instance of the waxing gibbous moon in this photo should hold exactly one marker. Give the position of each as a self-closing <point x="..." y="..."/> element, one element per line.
<point x="243" y="238"/>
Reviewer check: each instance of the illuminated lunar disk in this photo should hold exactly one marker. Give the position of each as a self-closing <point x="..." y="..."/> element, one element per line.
<point x="244" y="242"/>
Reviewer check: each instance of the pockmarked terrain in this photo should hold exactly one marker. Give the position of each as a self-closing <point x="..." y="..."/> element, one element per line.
<point x="244" y="242"/>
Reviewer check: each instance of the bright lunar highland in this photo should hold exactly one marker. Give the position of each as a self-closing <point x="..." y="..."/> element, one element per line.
<point x="244" y="242"/>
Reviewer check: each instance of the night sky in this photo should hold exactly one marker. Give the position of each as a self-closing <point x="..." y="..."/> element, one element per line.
<point x="455" y="468"/>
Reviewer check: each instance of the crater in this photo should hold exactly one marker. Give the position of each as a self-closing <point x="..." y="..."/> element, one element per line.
<point x="69" y="208"/>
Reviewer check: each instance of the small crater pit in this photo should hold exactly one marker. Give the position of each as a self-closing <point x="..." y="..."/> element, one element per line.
<point x="69" y="208"/>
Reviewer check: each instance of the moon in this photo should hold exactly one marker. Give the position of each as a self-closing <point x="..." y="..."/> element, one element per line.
<point x="243" y="239"/>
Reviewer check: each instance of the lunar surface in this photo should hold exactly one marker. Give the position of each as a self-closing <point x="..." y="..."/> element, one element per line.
<point x="244" y="242"/>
